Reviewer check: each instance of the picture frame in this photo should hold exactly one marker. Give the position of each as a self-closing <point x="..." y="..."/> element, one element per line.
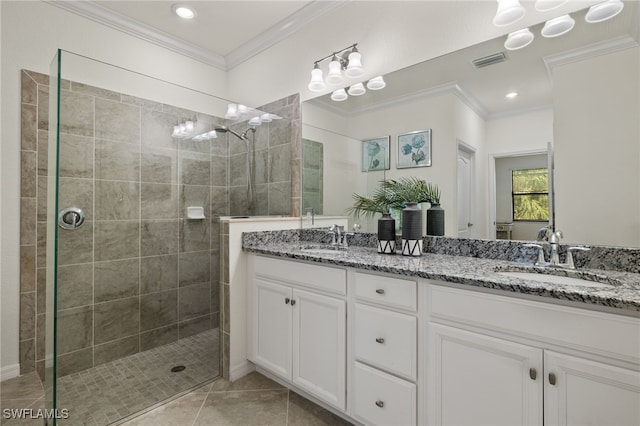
<point x="376" y="154"/>
<point x="414" y="149"/>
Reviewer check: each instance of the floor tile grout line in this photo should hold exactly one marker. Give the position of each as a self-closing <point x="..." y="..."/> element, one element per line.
<point x="286" y="418"/>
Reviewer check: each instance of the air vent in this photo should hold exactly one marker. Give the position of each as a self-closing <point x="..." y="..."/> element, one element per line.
<point x="485" y="61"/>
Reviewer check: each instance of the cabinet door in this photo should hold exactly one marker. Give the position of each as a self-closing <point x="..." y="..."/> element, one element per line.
<point x="589" y="393"/>
<point x="319" y="346"/>
<point x="475" y="379"/>
<point x="272" y="327"/>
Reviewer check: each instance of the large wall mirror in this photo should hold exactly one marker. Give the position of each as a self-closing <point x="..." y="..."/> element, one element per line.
<point x="580" y="92"/>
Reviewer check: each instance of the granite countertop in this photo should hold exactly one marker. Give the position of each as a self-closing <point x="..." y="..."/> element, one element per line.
<point x="623" y="294"/>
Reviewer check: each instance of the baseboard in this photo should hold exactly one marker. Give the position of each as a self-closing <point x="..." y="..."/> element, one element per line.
<point x="9" y="372"/>
<point x="241" y="370"/>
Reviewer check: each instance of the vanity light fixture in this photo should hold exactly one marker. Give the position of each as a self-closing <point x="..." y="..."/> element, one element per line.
<point x="339" y="95"/>
<point x="183" y="130"/>
<point x="376" y="83"/>
<point x="603" y="11"/>
<point x="345" y="63"/>
<point x="509" y="12"/>
<point x="518" y="39"/>
<point x="183" y="11"/>
<point x="357" y="90"/>
<point x="558" y="26"/>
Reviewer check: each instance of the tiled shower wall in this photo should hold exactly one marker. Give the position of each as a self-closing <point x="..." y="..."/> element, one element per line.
<point x="312" y="176"/>
<point x="137" y="274"/>
<point x="276" y="163"/>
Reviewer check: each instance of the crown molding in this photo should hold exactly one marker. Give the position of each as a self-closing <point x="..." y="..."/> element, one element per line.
<point x="281" y="30"/>
<point x="514" y="112"/>
<point x="256" y="45"/>
<point x="588" y="52"/>
<point x="102" y="15"/>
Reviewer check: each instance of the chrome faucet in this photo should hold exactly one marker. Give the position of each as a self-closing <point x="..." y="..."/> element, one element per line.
<point x="338" y="236"/>
<point x="545" y="234"/>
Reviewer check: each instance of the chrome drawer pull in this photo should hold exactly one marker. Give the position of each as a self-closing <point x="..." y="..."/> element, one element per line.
<point x="380" y="291"/>
<point x="380" y="403"/>
<point x="380" y="340"/>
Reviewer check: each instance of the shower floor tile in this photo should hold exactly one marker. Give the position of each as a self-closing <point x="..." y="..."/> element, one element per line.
<point x="111" y="391"/>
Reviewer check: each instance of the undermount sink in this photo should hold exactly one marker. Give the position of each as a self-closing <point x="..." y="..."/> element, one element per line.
<point x="555" y="279"/>
<point x="322" y="249"/>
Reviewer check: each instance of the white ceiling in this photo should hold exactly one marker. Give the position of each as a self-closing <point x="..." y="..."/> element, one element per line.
<point x="226" y="33"/>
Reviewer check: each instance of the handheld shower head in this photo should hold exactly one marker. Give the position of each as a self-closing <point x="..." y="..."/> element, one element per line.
<point x="225" y="129"/>
<point x="250" y="129"/>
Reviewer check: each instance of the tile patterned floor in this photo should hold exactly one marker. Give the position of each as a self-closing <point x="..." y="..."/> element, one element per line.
<point x="250" y="401"/>
<point x="109" y="392"/>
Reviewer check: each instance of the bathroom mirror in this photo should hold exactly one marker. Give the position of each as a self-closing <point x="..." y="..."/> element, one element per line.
<point x="579" y="91"/>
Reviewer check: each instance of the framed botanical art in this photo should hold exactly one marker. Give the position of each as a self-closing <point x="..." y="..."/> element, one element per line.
<point x="375" y="154"/>
<point x="414" y="149"/>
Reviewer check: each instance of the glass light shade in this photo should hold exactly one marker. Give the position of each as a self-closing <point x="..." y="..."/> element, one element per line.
<point x="509" y="12"/>
<point x="189" y="125"/>
<point x="518" y="39"/>
<point x="255" y="121"/>
<point x="558" y="26"/>
<point x="317" y="83"/>
<point x="334" y="76"/>
<point x="232" y="112"/>
<point x="354" y="68"/>
<point x="198" y="138"/>
<point x="545" y="5"/>
<point x="357" y="89"/>
<point x="603" y="11"/>
<point x="242" y="109"/>
<point x="339" y="95"/>
<point x="176" y="132"/>
<point x="266" y="118"/>
<point x="376" y="83"/>
<point x="183" y="130"/>
<point x="211" y="135"/>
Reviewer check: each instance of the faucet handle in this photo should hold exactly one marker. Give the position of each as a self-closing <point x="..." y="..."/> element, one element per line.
<point x="540" y="260"/>
<point x="570" y="251"/>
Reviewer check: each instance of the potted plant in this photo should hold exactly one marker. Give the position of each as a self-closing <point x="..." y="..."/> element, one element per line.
<point x="403" y="193"/>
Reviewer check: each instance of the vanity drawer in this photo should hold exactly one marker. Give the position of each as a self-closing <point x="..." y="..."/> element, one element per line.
<point x="382" y="399"/>
<point x="331" y="280"/>
<point x="392" y="292"/>
<point x="386" y="339"/>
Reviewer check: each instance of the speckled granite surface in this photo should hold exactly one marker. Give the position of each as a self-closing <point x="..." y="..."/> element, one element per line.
<point x="471" y="265"/>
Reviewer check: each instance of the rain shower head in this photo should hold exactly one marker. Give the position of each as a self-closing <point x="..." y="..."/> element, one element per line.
<point x="225" y="129"/>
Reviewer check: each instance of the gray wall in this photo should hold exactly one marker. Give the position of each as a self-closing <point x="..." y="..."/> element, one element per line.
<point x="138" y="274"/>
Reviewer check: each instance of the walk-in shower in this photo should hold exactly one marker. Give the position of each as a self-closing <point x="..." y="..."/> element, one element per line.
<point x="250" y="142"/>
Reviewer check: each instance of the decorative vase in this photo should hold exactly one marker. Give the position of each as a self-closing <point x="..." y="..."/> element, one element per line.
<point x="435" y="220"/>
<point x="386" y="234"/>
<point x="411" y="230"/>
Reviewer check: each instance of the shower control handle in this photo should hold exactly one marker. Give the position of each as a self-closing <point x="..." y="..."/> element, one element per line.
<point x="71" y="218"/>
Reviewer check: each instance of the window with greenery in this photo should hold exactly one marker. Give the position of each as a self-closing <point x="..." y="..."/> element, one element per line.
<point x="530" y="194"/>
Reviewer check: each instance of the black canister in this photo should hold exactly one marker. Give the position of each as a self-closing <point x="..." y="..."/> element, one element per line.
<point x="386" y="234"/>
<point x="411" y="230"/>
<point x="435" y="220"/>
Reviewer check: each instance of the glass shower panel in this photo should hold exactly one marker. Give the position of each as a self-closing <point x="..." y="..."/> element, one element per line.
<point x="133" y="254"/>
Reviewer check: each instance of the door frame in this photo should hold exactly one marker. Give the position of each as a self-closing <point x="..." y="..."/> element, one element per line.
<point x="492" y="182"/>
<point x="466" y="148"/>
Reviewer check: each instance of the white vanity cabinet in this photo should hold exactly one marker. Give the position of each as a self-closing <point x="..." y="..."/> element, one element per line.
<point x="499" y="360"/>
<point x="383" y="389"/>
<point x="299" y="326"/>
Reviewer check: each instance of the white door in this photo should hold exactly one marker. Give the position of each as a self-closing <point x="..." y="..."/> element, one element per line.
<point x="480" y="380"/>
<point x="583" y="392"/>
<point x="319" y="346"/>
<point x="272" y="327"/>
<point x="465" y="193"/>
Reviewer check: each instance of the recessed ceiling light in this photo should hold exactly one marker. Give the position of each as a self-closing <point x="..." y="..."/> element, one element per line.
<point x="183" y="11"/>
<point x="511" y="95"/>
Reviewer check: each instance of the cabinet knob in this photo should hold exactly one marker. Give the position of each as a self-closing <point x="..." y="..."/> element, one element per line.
<point x="380" y="403"/>
<point x="552" y="379"/>
<point x="380" y="340"/>
<point x="287" y="300"/>
<point x="533" y="373"/>
<point x="380" y="291"/>
<point x="293" y="302"/>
